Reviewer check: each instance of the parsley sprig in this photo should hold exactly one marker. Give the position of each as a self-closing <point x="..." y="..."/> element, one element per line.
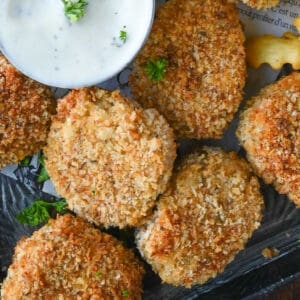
<point x="156" y="69"/>
<point x="74" y="9"/>
<point x="40" y="211"/>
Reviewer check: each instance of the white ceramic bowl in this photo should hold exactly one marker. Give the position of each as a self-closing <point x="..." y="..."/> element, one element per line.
<point x="39" y="40"/>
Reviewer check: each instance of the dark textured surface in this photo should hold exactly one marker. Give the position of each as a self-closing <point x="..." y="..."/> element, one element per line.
<point x="14" y="196"/>
<point x="289" y="291"/>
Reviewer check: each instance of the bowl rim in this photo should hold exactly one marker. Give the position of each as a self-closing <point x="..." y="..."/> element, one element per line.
<point x="94" y="82"/>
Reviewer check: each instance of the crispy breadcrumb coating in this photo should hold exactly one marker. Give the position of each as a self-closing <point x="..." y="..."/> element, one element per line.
<point x="203" y="44"/>
<point x="69" y="259"/>
<point x="269" y="131"/>
<point x="25" y="113"/>
<point x="109" y="158"/>
<point x="204" y="219"/>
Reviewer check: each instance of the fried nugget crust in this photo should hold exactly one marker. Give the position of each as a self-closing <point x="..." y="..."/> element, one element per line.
<point x="108" y="157"/>
<point x="69" y="259"/>
<point x="269" y="130"/>
<point x="203" y="44"/>
<point x="204" y="219"/>
<point x="25" y="113"/>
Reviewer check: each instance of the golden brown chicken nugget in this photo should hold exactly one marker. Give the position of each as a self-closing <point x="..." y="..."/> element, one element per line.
<point x="204" y="219"/>
<point x="269" y="131"/>
<point x="69" y="259"/>
<point x="192" y="68"/>
<point x="25" y="114"/>
<point x="108" y="157"/>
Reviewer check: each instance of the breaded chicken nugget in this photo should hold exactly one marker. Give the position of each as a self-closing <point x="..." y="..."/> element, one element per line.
<point x="109" y="158"/>
<point x="25" y="112"/>
<point x="269" y="131"/>
<point x="202" y="46"/>
<point x="259" y="4"/>
<point x="69" y="259"/>
<point x="204" y="219"/>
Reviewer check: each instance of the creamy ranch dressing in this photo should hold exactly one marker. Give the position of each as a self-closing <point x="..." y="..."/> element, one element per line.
<point x="39" y="40"/>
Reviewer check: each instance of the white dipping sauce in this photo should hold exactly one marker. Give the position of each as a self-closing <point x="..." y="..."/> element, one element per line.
<point x="39" y="39"/>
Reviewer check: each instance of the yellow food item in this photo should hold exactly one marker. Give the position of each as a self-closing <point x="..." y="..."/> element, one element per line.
<point x="275" y="51"/>
<point x="297" y="23"/>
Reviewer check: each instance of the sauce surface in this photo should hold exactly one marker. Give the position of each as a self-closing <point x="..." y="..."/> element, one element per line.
<point x="39" y="39"/>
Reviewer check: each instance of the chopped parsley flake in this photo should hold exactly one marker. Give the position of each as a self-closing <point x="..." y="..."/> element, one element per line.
<point x="156" y="69"/>
<point x="123" y="36"/>
<point x="74" y="9"/>
<point x="125" y="293"/>
<point x="98" y="274"/>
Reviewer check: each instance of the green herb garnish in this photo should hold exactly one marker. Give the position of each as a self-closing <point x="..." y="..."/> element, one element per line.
<point x="98" y="274"/>
<point x="25" y="162"/>
<point x="40" y="212"/>
<point x="74" y="9"/>
<point x="123" y="36"/>
<point x="125" y="293"/>
<point x="43" y="175"/>
<point x="156" y="69"/>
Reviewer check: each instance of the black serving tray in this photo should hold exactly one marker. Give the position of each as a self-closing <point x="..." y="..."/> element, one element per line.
<point x="248" y="276"/>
